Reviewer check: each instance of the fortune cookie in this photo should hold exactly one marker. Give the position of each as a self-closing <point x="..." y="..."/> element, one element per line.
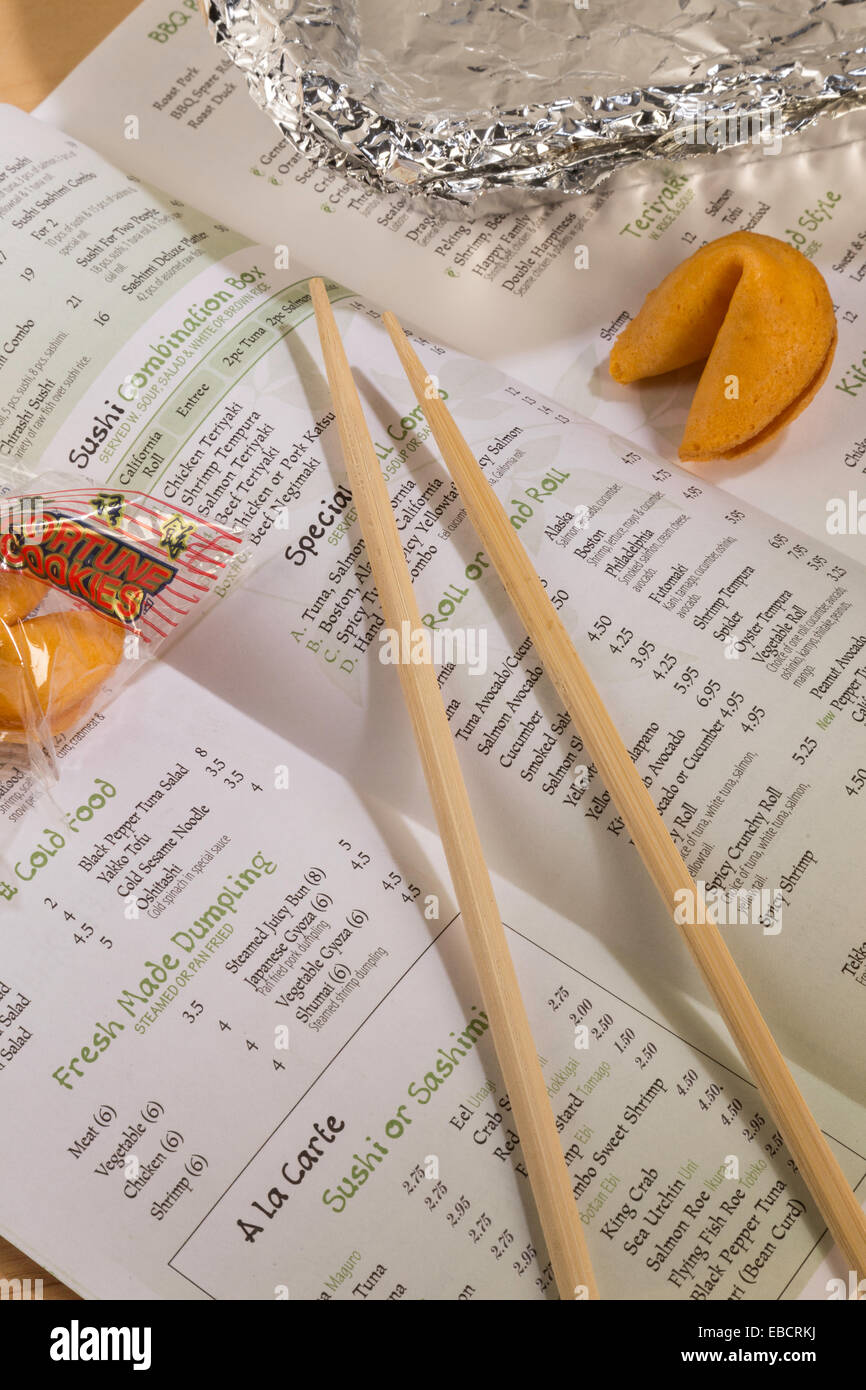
<point x="54" y="664"/>
<point x="19" y="595"/>
<point x="761" y="315"/>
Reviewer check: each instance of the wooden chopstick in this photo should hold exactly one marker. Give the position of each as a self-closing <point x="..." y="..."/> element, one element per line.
<point x="810" y="1150"/>
<point x="509" y="1025"/>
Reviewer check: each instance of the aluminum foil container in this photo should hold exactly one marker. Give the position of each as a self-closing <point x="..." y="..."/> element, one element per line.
<point x="460" y="100"/>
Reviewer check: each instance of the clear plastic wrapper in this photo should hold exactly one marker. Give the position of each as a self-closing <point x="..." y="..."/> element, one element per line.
<point x="94" y="580"/>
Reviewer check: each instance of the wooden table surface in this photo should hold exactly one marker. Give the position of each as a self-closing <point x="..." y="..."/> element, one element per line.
<point x="40" y="42"/>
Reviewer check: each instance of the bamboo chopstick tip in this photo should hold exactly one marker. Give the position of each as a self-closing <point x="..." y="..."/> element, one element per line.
<point x="397" y="334"/>
<point x="318" y="293"/>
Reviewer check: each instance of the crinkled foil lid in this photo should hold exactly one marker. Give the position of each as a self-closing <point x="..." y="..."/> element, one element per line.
<point x="459" y="98"/>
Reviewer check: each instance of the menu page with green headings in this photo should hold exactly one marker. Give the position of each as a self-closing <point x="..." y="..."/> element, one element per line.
<point x="242" y="1051"/>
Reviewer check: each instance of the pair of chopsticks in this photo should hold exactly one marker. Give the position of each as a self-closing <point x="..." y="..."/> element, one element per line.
<point x="508" y="1021"/>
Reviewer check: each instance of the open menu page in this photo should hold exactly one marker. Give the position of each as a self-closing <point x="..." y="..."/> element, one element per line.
<point x="541" y="293"/>
<point x="238" y="1023"/>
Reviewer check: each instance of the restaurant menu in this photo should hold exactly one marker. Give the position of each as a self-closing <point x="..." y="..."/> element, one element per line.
<point x="242" y="1049"/>
<point x="541" y="292"/>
